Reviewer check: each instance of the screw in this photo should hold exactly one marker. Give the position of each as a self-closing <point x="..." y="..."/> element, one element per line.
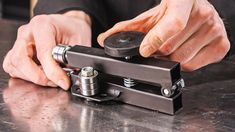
<point x="128" y="82"/>
<point x="125" y="39"/>
<point x="127" y="57"/>
<point x="87" y="71"/>
<point x="166" y="91"/>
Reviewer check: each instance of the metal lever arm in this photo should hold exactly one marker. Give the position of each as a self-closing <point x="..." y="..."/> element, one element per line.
<point x="151" y="70"/>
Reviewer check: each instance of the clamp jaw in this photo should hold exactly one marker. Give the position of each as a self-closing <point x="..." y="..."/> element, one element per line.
<point x="119" y="73"/>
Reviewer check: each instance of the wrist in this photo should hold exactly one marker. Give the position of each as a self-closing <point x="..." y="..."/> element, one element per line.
<point x="79" y="15"/>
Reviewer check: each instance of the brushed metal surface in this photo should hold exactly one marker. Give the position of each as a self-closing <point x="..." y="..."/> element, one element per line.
<point x="208" y="100"/>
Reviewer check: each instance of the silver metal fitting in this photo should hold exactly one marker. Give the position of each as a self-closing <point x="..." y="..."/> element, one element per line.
<point x="181" y="83"/>
<point x="168" y="92"/>
<point x="59" y="53"/>
<point x="177" y="86"/>
<point x="128" y="82"/>
<point x="128" y="57"/>
<point x="88" y="78"/>
<point x="87" y="71"/>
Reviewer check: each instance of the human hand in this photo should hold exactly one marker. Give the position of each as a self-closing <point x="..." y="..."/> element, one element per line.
<point x="30" y="58"/>
<point x="187" y="31"/>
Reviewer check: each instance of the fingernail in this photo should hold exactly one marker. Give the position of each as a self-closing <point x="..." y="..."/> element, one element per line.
<point x="146" y="51"/>
<point x="63" y="84"/>
<point x="51" y="84"/>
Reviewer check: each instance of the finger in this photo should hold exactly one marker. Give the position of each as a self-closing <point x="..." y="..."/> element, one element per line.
<point x="196" y="21"/>
<point x="207" y="33"/>
<point x="44" y="36"/>
<point x="214" y="52"/>
<point x="29" y="68"/>
<point x="130" y="25"/>
<point x="142" y="23"/>
<point x="24" y="50"/>
<point x="10" y="69"/>
<point x="22" y="33"/>
<point x="15" y="73"/>
<point x="174" y="20"/>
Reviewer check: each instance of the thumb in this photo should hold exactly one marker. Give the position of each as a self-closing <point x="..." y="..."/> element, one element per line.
<point x="130" y="25"/>
<point x="141" y="23"/>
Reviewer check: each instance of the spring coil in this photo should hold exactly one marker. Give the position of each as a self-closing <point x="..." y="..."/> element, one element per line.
<point x="128" y="82"/>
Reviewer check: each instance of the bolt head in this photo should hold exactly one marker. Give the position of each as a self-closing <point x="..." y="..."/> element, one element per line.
<point x="166" y="91"/>
<point x="87" y="71"/>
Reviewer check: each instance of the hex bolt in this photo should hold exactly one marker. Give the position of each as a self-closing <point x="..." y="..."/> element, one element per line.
<point x="87" y="71"/>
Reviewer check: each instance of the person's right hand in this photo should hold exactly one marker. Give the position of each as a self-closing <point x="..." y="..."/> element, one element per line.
<point x="30" y="58"/>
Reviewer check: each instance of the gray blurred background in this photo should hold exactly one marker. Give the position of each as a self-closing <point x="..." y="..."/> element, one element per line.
<point x="16" y="9"/>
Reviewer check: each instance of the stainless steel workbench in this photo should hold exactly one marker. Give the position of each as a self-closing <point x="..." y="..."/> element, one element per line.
<point x="208" y="99"/>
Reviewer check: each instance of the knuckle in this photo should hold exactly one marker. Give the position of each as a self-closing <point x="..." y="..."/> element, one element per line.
<point x="216" y="28"/>
<point x="21" y="32"/>
<point x="166" y="49"/>
<point x="40" y="79"/>
<point x="178" y="23"/>
<point x="21" y="29"/>
<point x="122" y="24"/>
<point x="180" y="56"/>
<point x="118" y="24"/>
<point x="40" y="20"/>
<point x="210" y="23"/>
<point x="223" y="47"/>
<point x="188" y="67"/>
<point x="153" y="46"/>
<point x="176" y="57"/>
<point x="15" y="60"/>
<point x="206" y="13"/>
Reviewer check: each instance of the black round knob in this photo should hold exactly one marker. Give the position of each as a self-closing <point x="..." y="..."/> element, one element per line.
<point x="123" y="44"/>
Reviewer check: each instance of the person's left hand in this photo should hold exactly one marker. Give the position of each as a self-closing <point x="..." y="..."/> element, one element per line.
<point x="187" y="31"/>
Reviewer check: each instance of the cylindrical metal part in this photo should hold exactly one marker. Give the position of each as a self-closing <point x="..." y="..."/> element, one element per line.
<point x="128" y="82"/>
<point x="88" y="78"/>
<point x="59" y="53"/>
<point x="167" y="92"/>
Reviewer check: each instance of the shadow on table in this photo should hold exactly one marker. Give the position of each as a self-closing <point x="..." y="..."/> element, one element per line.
<point x="224" y="70"/>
